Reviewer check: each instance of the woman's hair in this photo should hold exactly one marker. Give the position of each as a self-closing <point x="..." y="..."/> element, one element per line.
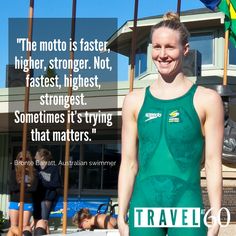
<point x="28" y="164"/>
<point x="45" y="154"/>
<point x="82" y="214"/>
<point x="171" y="20"/>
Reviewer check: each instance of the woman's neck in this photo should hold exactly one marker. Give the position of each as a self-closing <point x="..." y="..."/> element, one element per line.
<point x="169" y="82"/>
<point x="43" y="164"/>
<point x="167" y="89"/>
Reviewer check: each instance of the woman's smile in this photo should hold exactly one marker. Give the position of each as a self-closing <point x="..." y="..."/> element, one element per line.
<point x="167" y="51"/>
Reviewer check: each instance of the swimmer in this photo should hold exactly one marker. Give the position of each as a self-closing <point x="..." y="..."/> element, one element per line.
<point x="166" y="127"/>
<point x="84" y="220"/>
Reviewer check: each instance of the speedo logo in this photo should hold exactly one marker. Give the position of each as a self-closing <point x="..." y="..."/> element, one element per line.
<point x="151" y="116"/>
<point x="174" y="116"/>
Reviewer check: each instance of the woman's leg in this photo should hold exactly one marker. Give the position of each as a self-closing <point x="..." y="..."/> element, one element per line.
<point x="143" y="231"/>
<point x="27" y="231"/>
<point x="14" y="218"/>
<point x="46" y="209"/>
<point x="26" y="220"/>
<point x="190" y="198"/>
<point x="36" y="210"/>
<point x="14" y="230"/>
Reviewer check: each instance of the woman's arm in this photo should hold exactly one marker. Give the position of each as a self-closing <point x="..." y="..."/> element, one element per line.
<point x="50" y="178"/>
<point x="214" y="131"/>
<point x="129" y="163"/>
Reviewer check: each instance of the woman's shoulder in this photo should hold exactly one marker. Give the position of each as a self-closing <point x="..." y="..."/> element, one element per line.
<point x="135" y="95"/>
<point x="102" y="220"/>
<point x="207" y="96"/>
<point x="106" y="221"/>
<point x="133" y="100"/>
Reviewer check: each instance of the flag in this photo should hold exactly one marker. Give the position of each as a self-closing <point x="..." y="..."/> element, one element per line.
<point x="211" y="4"/>
<point x="229" y="9"/>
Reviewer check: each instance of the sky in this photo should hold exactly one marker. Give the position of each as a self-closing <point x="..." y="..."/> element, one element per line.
<point x="120" y="9"/>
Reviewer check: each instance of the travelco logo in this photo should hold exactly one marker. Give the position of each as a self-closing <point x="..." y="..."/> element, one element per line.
<point x="176" y="217"/>
<point x="174" y="116"/>
<point x="151" y="116"/>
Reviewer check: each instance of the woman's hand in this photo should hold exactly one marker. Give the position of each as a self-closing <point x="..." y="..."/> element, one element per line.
<point x="213" y="230"/>
<point x="123" y="228"/>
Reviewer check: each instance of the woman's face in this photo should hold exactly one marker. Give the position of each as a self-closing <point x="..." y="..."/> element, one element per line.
<point x="38" y="157"/>
<point x="168" y="51"/>
<point x="86" y="224"/>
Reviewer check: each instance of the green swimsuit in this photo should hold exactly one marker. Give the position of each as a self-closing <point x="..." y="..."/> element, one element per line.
<point x="170" y="154"/>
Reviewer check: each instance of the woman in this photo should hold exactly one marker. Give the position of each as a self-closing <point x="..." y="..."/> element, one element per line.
<point x="84" y="220"/>
<point x="163" y="133"/>
<point x="31" y="182"/>
<point x="49" y="182"/>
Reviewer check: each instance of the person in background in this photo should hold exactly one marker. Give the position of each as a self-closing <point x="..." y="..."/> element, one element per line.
<point x="31" y="182"/>
<point x="49" y="182"/>
<point x="84" y="220"/>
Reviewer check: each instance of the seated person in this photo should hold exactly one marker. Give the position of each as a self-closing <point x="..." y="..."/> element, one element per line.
<point x="84" y="220"/>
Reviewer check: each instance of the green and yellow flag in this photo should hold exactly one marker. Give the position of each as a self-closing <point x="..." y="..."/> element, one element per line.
<point x="228" y="7"/>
